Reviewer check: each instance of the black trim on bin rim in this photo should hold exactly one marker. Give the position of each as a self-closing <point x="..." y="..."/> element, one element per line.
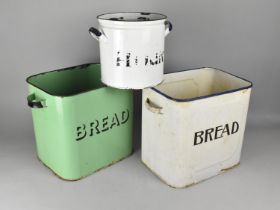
<point x="206" y="96"/>
<point x="82" y="66"/>
<point x="164" y="17"/>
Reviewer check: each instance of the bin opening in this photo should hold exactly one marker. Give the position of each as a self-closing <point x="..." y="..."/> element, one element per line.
<point x="68" y="81"/>
<point x="191" y="84"/>
<point x="132" y="16"/>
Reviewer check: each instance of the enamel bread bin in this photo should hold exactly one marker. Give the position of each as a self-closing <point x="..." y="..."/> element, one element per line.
<point x="131" y="48"/>
<point x="193" y="125"/>
<point x="80" y="125"/>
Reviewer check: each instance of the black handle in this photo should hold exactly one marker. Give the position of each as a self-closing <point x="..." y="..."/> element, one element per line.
<point x="170" y="26"/>
<point x="33" y="103"/>
<point x="95" y="31"/>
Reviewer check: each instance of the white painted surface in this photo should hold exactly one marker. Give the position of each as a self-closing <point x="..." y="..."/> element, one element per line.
<point x="131" y="51"/>
<point x="169" y="144"/>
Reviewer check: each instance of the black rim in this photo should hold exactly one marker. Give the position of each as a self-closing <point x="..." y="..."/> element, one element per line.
<point x="164" y="17"/>
<point x="35" y="104"/>
<point x="59" y="70"/>
<point x="206" y="96"/>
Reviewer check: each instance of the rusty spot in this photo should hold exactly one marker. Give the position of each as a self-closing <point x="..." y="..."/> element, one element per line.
<point x="226" y="169"/>
<point x="164" y="180"/>
<point x="244" y="91"/>
<point x="73" y="180"/>
<point x="188" y="185"/>
<point x="156" y="174"/>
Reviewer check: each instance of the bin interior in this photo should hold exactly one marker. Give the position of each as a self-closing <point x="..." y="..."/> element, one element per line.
<point x="69" y="81"/>
<point x="191" y="84"/>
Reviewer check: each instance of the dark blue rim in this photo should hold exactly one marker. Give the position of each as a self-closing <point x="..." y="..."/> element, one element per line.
<point x="206" y="96"/>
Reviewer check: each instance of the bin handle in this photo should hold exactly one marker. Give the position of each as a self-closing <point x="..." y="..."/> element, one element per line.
<point x="153" y="107"/>
<point x="168" y="27"/>
<point x="97" y="34"/>
<point x="33" y="102"/>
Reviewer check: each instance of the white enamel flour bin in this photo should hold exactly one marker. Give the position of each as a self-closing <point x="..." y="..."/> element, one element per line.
<point x="193" y="125"/>
<point x="131" y="48"/>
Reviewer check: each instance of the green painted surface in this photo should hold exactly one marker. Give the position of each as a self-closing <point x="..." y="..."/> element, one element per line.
<point x="83" y="126"/>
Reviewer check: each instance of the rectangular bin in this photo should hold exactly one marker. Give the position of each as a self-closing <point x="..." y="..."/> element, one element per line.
<point x="80" y="125"/>
<point x="193" y="125"/>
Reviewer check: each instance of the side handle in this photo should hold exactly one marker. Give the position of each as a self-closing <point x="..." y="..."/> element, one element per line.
<point x="153" y="107"/>
<point x="96" y="34"/>
<point x="168" y="27"/>
<point x="33" y="102"/>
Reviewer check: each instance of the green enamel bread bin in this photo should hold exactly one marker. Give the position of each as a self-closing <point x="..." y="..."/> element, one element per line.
<point x="80" y="125"/>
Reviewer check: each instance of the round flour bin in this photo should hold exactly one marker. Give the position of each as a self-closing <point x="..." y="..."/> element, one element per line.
<point x="131" y="48"/>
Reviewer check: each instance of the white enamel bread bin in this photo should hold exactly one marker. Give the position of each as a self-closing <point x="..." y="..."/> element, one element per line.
<point x="131" y="48"/>
<point x="193" y="125"/>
